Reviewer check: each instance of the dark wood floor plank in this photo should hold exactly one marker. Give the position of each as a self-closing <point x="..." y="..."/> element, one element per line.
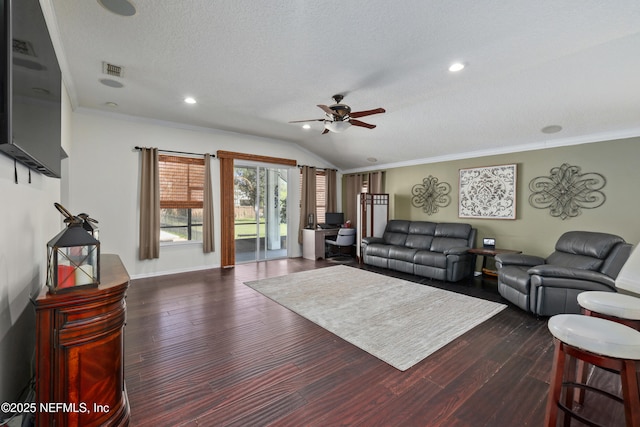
<point x="202" y="348"/>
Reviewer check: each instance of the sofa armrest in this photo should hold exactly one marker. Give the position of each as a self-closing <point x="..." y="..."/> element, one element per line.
<point x="371" y="239"/>
<point x="457" y="251"/>
<point x="518" y="259"/>
<point x="561" y="272"/>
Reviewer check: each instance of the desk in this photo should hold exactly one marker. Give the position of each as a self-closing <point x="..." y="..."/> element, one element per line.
<point x="490" y="252"/>
<point x="313" y="242"/>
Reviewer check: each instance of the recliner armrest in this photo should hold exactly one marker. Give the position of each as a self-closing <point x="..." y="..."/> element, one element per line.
<point x="457" y="251"/>
<point x="518" y="259"/>
<point x="559" y="271"/>
<point x="372" y="239"/>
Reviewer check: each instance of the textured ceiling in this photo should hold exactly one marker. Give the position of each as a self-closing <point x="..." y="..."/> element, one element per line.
<point x="255" y="65"/>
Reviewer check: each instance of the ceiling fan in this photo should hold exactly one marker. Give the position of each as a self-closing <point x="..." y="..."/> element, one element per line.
<point x="339" y="116"/>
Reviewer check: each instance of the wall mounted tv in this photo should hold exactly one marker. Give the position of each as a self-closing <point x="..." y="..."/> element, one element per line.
<point x="31" y="89"/>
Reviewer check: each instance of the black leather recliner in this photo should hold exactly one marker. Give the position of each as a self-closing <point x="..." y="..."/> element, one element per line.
<point x="582" y="261"/>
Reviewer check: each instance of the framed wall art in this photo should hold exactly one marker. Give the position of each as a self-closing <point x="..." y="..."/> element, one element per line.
<point x="488" y="192"/>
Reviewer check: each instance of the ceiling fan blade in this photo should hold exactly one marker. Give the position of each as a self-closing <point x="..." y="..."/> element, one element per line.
<point x="367" y="113"/>
<point x="361" y="124"/>
<point x="310" y="120"/>
<point x="325" y="131"/>
<point x="327" y="110"/>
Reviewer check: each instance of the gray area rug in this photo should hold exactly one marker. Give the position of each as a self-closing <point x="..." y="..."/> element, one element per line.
<point x="397" y="321"/>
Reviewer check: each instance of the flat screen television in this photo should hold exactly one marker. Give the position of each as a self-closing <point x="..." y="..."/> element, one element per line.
<point x="334" y="218"/>
<point x="31" y="88"/>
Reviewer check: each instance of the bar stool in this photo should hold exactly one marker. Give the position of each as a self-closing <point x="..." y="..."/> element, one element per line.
<point x="602" y="343"/>
<point x="614" y="306"/>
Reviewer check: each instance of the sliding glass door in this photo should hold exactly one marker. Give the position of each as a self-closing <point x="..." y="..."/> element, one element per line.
<point x="260" y="211"/>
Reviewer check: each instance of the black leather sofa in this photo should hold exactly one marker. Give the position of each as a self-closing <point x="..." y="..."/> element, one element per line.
<point x="582" y="261"/>
<point x="428" y="249"/>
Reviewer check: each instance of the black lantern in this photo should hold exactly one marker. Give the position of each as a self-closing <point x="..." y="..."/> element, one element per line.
<point x="73" y="258"/>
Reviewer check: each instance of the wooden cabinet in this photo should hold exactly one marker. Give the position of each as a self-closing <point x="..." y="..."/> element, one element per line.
<point x="80" y="352"/>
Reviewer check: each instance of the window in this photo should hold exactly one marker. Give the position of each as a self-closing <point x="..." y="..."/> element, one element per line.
<point x="181" y="196"/>
<point x="321" y="195"/>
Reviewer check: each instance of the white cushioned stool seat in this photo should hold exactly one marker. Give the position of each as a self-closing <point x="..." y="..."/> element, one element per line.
<point x="611" y="304"/>
<point x="596" y="335"/>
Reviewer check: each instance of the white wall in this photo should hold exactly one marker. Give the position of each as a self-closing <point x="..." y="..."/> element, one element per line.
<point x="104" y="176"/>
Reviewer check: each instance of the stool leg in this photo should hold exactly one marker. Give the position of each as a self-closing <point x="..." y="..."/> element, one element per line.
<point x="582" y="373"/>
<point x="630" y="393"/>
<point x="571" y="376"/>
<point x="555" y="385"/>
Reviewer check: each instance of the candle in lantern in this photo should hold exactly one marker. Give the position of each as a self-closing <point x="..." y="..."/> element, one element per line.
<point x="84" y="275"/>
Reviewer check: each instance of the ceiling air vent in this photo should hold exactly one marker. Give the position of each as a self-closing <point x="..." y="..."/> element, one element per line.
<point x="112" y="70"/>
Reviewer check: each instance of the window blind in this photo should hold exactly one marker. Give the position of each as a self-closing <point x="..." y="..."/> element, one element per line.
<point x="181" y="182"/>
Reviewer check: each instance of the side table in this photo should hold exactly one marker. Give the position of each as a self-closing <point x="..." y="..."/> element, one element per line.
<point x="490" y="252"/>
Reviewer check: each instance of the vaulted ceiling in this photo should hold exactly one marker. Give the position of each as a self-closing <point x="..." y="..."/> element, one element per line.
<point x="253" y="66"/>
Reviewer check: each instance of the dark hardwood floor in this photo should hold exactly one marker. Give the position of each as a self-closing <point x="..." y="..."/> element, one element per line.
<point x="203" y="349"/>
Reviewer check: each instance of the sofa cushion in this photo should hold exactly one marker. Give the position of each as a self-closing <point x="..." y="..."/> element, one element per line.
<point x="441" y="244"/>
<point x="396" y="232"/>
<point x="587" y="243"/>
<point x="435" y="259"/>
<point x="454" y="230"/>
<point x="420" y="235"/>
<point x="402" y="253"/>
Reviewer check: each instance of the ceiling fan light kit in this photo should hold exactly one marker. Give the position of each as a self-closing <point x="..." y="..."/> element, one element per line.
<point x="337" y="127"/>
<point x="340" y="118"/>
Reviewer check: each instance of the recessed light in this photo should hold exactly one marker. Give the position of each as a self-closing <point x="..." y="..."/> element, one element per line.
<point x="306" y="126"/>
<point x="111" y="83"/>
<point x="111" y="104"/>
<point x="190" y="100"/>
<point x="456" y="66"/>
<point x="372" y="159"/>
<point x="551" y="129"/>
<point x="119" y="7"/>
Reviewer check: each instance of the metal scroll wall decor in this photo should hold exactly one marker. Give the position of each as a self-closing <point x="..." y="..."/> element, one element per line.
<point x="567" y="191"/>
<point x="431" y="195"/>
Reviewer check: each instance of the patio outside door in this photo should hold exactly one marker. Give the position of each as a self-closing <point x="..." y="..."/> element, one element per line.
<point x="260" y="212"/>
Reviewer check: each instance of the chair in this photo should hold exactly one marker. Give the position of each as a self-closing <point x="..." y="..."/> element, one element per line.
<point x="346" y="238"/>
<point x="582" y="261"/>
